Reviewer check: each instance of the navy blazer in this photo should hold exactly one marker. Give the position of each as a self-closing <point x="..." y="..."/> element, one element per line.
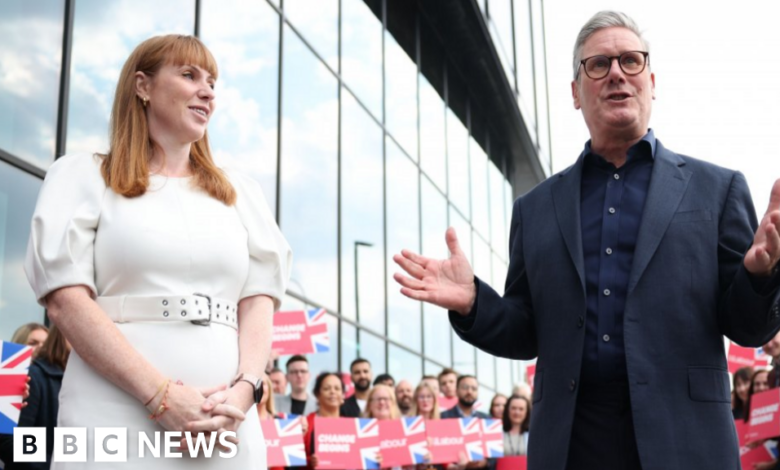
<point x="687" y="288"/>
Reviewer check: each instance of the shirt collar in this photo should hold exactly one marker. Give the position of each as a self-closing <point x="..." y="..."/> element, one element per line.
<point x="645" y="147"/>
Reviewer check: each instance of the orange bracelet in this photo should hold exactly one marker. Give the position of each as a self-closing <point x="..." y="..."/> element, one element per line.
<point x="163" y="403"/>
<point x="159" y="389"/>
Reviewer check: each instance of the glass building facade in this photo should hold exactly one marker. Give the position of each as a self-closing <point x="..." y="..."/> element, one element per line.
<point x="364" y="123"/>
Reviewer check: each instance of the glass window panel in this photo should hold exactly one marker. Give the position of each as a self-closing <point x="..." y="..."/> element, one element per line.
<point x="463" y="361"/>
<point x="483" y="400"/>
<point x="509" y="201"/>
<point x="482" y="259"/>
<point x="458" y="163"/>
<point x="501" y="30"/>
<point x="104" y="35"/>
<point x="497" y="211"/>
<point x="486" y="369"/>
<point x="504" y="376"/>
<point x="30" y="63"/>
<point x="324" y="361"/>
<point x="318" y="23"/>
<point x="525" y="64"/>
<point x="309" y="171"/>
<point x="403" y="231"/>
<point x="541" y="78"/>
<point x="18" y="194"/>
<point x="431" y="368"/>
<point x="243" y="131"/>
<point x="404" y="365"/>
<point x="372" y="348"/>
<point x="433" y="158"/>
<point x="361" y="54"/>
<point x="434" y="221"/>
<point x="348" y="345"/>
<point x="463" y="230"/>
<point x="401" y="96"/>
<point x="499" y="274"/>
<point x="362" y="248"/>
<point x="480" y="218"/>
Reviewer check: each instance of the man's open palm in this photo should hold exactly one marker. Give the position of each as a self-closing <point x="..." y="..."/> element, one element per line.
<point x="447" y="283"/>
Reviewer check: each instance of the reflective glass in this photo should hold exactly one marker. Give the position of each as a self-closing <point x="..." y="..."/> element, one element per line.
<point x="401" y="96"/>
<point x="361" y="54"/>
<point x="30" y="63"/>
<point x="244" y="37"/>
<point x="403" y="232"/>
<point x="486" y="368"/>
<point x="433" y="157"/>
<point x="541" y="79"/>
<point x="499" y="274"/>
<point x="436" y="327"/>
<point x="509" y="203"/>
<point x="463" y="360"/>
<point x="372" y="348"/>
<point x="104" y="35"/>
<point x="463" y="230"/>
<point x="480" y="208"/>
<point x="430" y="368"/>
<point x="482" y="259"/>
<point x="403" y="365"/>
<point x="361" y="217"/>
<point x="501" y="30"/>
<point x="18" y="194"/>
<point x="483" y="402"/>
<point x="504" y="375"/>
<point x="348" y="345"/>
<point x="458" y="163"/>
<point x="318" y="23"/>
<point x="525" y="63"/>
<point x="497" y="211"/>
<point x="309" y="171"/>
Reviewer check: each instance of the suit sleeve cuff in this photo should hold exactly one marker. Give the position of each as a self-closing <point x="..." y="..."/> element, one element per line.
<point x="765" y="286"/>
<point x="464" y="323"/>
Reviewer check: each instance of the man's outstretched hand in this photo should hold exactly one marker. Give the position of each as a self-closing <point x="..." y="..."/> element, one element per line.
<point x="447" y="283"/>
<point x="764" y="255"/>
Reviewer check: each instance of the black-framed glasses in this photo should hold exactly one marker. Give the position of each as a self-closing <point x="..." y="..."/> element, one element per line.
<point x="630" y="62"/>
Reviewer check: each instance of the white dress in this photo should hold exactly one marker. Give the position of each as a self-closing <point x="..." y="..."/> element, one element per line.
<point x="173" y="240"/>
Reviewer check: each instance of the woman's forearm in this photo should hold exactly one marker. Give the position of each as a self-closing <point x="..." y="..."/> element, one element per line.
<point x="100" y="344"/>
<point x="255" y="322"/>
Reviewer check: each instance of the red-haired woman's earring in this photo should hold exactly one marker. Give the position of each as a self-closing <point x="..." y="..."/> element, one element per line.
<point x="145" y="100"/>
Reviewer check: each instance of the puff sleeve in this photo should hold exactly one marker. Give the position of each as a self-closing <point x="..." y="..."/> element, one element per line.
<point x="270" y="256"/>
<point x="60" y="252"/>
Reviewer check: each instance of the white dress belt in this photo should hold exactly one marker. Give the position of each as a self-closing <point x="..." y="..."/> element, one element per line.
<point x="199" y="309"/>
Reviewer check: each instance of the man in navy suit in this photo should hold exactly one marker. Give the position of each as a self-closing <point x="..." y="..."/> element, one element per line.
<point x="625" y="272"/>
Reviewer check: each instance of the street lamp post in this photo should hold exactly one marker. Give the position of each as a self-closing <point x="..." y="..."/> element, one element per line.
<point x="358" y="243"/>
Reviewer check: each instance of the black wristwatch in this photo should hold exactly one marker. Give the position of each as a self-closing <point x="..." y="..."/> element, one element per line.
<point x="256" y="383"/>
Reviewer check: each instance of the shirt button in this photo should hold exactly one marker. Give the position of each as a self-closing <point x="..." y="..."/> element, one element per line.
<point x="617" y="176"/>
<point x="612" y="210"/>
<point x="605" y="338"/>
<point x="609" y="251"/>
<point x="607" y="292"/>
<point x="572" y="385"/>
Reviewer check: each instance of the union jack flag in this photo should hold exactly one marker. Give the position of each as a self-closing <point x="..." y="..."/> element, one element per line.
<point x="493" y="438"/>
<point x="415" y="426"/>
<point x="367" y="427"/>
<point x="472" y="438"/>
<point x="284" y="442"/>
<point x="14" y="362"/>
<point x="318" y="330"/>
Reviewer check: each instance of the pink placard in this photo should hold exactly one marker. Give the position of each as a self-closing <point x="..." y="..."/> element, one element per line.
<point x="300" y="332"/>
<point x="284" y="442"/>
<point x="346" y="443"/>
<point x="764" y="420"/>
<point x="403" y="442"/>
<point x="518" y="462"/>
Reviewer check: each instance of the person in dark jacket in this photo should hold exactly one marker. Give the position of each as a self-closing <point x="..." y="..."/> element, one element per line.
<point x="42" y="407"/>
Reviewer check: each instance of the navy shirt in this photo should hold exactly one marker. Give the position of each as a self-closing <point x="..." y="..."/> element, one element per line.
<point x="612" y="202"/>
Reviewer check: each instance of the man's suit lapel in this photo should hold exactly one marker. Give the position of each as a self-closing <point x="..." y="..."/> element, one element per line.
<point x="667" y="187"/>
<point x="566" y="194"/>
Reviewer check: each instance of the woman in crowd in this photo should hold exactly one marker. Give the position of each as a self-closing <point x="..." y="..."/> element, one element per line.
<point x="31" y="334"/>
<point x="161" y="269"/>
<point x="329" y="391"/>
<point x="516" y="420"/>
<point x="759" y="382"/>
<point x="43" y="402"/>
<point x="497" y="405"/>
<point x="381" y="404"/>
<point x="739" y="394"/>
<point x="425" y="403"/>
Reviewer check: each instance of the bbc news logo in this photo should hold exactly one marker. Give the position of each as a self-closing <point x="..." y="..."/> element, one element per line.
<point x="111" y="445"/>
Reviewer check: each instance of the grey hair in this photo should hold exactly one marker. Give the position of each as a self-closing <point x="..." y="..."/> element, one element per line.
<point x="601" y="20"/>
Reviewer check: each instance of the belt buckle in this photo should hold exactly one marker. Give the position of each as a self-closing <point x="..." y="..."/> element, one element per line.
<point x="207" y="321"/>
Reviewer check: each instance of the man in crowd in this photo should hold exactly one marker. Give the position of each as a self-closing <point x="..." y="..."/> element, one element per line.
<point x="279" y="381"/>
<point x="360" y="372"/>
<point x="385" y="379"/>
<point x="467" y="391"/>
<point x="447" y="385"/>
<point x="404" y="395"/>
<point x="626" y="270"/>
<point x="299" y="401"/>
